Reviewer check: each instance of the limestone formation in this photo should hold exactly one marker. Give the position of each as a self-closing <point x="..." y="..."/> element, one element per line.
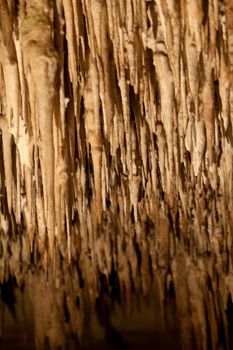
<point x="116" y="150"/>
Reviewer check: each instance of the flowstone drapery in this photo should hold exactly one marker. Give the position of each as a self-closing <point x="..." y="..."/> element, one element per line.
<point x="116" y="144"/>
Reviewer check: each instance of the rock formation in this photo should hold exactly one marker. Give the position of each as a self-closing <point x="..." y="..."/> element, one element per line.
<point x="116" y="151"/>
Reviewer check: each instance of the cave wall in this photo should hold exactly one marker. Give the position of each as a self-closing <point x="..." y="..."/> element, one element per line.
<point x="116" y="148"/>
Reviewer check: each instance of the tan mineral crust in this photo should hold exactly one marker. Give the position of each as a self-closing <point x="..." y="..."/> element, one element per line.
<point x="116" y="156"/>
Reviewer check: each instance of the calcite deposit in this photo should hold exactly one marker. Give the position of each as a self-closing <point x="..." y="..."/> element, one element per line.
<point x="116" y="151"/>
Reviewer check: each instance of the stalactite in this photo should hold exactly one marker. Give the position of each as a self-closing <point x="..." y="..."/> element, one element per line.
<point x="116" y="146"/>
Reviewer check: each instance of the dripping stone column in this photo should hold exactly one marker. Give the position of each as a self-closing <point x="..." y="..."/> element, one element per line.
<point x="40" y="64"/>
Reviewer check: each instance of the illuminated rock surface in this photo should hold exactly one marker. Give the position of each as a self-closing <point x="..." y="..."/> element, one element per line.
<point x="116" y="171"/>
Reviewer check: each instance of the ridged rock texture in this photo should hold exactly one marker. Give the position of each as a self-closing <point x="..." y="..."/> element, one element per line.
<point x="116" y="150"/>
